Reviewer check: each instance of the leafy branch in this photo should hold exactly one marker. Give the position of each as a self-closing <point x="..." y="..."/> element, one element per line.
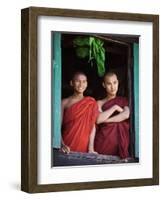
<point x="91" y="47"/>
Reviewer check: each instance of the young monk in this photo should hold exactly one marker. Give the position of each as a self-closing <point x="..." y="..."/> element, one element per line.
<point x="112" y="137"/>
<point x="79" y="114"/>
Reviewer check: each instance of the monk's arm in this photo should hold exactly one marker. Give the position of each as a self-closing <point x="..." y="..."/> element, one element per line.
<point x="91" y="140"/>
<point x="103" y="116"/>
<point x="120" y="117"/>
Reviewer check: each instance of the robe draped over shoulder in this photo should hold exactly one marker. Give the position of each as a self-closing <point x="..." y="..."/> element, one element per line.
<point x="113" y="138"/>
<point x="78" y="121"/>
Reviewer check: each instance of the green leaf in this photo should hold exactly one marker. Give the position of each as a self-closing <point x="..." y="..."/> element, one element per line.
<point x="93" y="48"/>
<point x="90" y="49"/>
<point x="91" y="39"/>
<point x="81" y="41"/>
<point x="99" y="42"/>
<point x="82" y="52"/>
<point x="100" y="66"/>
<point x="102" y="54"/>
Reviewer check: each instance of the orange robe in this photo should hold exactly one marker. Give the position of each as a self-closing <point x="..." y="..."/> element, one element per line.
<point x="113" y="138"/>
<point x="78" y="121"/>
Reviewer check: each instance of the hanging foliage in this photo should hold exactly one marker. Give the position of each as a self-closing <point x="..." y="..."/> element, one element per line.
<point x="92" y="48"/>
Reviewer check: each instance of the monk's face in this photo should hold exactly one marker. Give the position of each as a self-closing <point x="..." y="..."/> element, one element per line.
<point x="111" y="85"/>
<point x="79" y="83"/>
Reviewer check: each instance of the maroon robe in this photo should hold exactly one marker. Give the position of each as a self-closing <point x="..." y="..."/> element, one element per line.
<point x="113" y="138"/>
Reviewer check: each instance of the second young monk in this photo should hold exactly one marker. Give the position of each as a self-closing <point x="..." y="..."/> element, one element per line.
<point x="79" y="114"/>
<point x="112" y="137"/>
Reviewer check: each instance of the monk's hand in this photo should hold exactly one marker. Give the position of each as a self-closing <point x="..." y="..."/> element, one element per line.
<point x="92" y="151"/>
<point x="65" y="148"/>
<point x="118" y="108"/>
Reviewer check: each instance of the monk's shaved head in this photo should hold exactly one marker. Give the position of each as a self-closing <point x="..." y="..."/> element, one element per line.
<point x="76" y="74"/>
<point x="109" y="74"/>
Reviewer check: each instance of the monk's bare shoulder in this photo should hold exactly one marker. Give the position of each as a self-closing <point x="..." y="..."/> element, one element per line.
<point x="100" y="104"/>
<point x="65" y="102"/>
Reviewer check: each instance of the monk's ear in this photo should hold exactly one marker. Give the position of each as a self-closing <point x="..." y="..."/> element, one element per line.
<point x="71" y="83"/>
<point x="103" y="84"/>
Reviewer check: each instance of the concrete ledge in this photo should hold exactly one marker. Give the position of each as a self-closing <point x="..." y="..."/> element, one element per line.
<point x="78" y="158"/>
